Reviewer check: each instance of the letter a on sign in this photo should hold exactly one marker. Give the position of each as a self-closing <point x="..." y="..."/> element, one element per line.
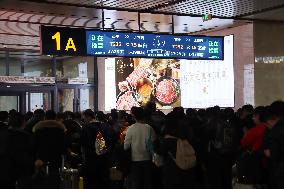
<point x="70" y="45"/>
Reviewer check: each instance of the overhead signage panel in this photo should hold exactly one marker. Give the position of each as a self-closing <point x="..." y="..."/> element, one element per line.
<point x="63" y="41"/>
<point x="80" y="42"/>
<point x="100" y="43"/>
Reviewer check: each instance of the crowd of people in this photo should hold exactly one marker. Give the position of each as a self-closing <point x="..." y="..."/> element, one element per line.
<point x="211" y="148"/>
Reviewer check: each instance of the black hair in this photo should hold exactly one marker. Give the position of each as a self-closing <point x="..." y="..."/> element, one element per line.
<point x="69" y="115"/>
<point x="50" y="115"/>
<point x="151" y="106"/>
<point x="179" y="112"/>
<point x="248" y="108"/>
<point x="191" y="112"/>
<point x="17" y="120"/>
<point x="228" y="113"/>
<point x="275" y="109"/>
<point x="89" y="113"/>
<point x="100" y="116"/>
<point x="138" y="113"/>
<point x="122" y="114"/>
<point x="28" y="116"/>
<point x="261" y="112"/>
<point x="114" y="114"/>
<point x="12" y="112"/>
<point x="171" y="126"/>
<point x="39" y="112"/>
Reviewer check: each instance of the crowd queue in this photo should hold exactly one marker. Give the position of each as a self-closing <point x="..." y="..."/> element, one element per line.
<point x="210" y="148"/>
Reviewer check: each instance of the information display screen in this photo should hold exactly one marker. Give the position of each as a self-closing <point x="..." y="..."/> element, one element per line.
<point x="82" y="42"/>
<point x="169" y="82"/>
<point x="122" y="44"/>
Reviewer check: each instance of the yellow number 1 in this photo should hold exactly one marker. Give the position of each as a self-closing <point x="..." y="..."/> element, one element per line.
<point x="57" y="38"/>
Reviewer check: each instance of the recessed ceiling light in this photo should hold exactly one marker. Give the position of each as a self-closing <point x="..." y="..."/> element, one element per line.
<point x="200" y="25"/>
<point x="131" y="20"/>
<point x="144" y="21"/>
<point x="119" y="19"/>
<point x="185" y="24"/>
<point x="107" y="18"/>
<point x="157" y="22"/>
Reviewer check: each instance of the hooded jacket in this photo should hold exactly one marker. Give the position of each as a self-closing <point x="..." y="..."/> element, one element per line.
<point x="50" y="142"/>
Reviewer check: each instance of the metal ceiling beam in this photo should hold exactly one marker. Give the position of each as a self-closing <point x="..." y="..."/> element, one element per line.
<point x="125" y="9"/>
<point x="174" y="2"/>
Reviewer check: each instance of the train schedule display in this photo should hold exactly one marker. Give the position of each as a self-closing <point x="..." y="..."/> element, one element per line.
<point x="82" y="42"/>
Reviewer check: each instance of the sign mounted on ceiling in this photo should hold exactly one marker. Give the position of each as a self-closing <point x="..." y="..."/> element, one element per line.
<point x="62" y="41"/>
<point x="81" y="42"/>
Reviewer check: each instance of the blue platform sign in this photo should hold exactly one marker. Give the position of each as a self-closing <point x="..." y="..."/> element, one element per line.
<point x="122" y="44"/>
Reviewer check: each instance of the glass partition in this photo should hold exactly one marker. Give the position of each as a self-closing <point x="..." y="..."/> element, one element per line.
<point x="2" y="65"/>
<point x="86" y="99"/>
<point x="66" y="100"/>
<point x="38" y="67"/>
<point x="9" y="102"/>
<point x="78" y="69"/>
<point x="15" y="66"/>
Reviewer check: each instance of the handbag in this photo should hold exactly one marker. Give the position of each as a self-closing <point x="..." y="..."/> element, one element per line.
<point x="115" y="174"/>
<point x="149" y="143"/>
<point x="158" y="160"/>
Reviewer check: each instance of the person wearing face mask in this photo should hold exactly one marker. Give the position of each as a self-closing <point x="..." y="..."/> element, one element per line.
<point x="274" y="149"/>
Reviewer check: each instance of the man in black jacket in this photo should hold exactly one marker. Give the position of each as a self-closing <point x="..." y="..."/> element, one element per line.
<point x="17" y="154"/>
<point x="96" y="168"/>
<point x="50" y="146"/>
<point x="275" y="144"/>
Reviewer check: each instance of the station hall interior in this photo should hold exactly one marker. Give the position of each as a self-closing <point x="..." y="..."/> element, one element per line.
<point x="256" y="25"/>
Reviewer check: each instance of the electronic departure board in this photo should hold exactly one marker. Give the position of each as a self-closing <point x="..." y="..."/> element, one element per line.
<point x="153" y="45"/>
<point x="74" y="41"/>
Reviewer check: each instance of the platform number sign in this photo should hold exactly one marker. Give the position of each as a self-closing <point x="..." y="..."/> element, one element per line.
<point x="70" y="44"/>
<point x="62" y="41"/>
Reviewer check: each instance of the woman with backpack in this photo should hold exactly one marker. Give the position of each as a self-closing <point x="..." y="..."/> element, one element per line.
<point x="178" y="155"/>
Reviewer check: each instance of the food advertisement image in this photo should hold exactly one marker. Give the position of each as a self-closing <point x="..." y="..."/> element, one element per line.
<point x="141" y="80"/>
<point x="170" y="82"/>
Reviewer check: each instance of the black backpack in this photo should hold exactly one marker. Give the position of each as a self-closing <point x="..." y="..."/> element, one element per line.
<point x="224" y="140"/>
<point x="249" y="168"/>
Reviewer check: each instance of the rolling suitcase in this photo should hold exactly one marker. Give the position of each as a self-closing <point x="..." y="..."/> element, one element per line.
<point x="70" y="179"/>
